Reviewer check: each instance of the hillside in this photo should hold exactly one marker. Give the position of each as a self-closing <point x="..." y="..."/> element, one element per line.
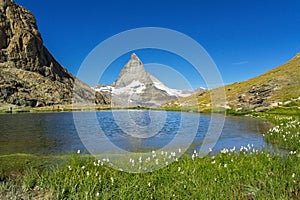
<point x="273" y="88"/>
<point x="29" y="74"/>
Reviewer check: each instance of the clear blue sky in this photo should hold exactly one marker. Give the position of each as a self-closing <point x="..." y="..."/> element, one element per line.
<point x="244" y="38"/>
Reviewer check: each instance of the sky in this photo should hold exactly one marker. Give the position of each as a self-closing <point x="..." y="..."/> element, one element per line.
<point x="244" y="38"/>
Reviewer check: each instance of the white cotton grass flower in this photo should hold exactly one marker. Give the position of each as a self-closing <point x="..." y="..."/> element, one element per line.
<point x="97" y="194"/>
<point x="149" y="184"/>
<point x="156" y="161"/>
<point x="293" y="175"/>
<point x="193" y="157"/>
<point x="69" y="167"/>
<point x="232" y="150"/>
<point x="78" y="151"/>
<point x="83" y="167"/>
<point x="112" y="180"/>
<point x="224" y="151"/>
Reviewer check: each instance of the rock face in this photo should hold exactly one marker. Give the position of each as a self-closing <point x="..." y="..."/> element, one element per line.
<point x="29" y="75"/>
<point x="137" y="87"/>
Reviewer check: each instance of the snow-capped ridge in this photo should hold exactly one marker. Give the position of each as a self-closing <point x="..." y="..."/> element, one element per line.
<point x="135" y="86"/>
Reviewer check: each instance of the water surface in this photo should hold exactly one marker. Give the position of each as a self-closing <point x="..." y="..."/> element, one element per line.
<point x="55" y="133"/>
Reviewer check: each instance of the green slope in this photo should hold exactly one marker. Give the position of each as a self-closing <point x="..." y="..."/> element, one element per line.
<point x="275" y="87"/>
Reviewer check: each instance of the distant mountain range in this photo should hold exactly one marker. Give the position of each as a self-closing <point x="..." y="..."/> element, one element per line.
<point x="137" y="87"/>
<point x="273" y="88"/>
<point x="29" y="74"/>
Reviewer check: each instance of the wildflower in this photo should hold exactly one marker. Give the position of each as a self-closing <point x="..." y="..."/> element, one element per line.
<point x="87" y="173"/>
<point x="83" y="167"/>
<point x="213" y="162"/>
<point x="225" y="165"/>
<point x="224" y="151"/>
<point x="97" y="194"/>
<point x="112" y="180"/>
<point x="78" y="151"/>
<point x="149" y="184"/>
<point x="184" y="186"/>
<point x="232" y="150"/>
<point x="179" y="168"/>
<point x="293" y="175"/>
<point x="69" y="167"/>
<point x="193" y="156"/>
<point x="210" y="149"/>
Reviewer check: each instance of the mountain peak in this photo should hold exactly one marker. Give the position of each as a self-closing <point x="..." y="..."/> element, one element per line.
<point x="134" y="62"/>
<point x="135" y="86"/>
<point x="134" y="57"/>
<point x="133" y="70"/>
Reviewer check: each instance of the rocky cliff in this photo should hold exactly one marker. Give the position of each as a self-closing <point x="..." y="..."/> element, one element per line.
<point x="29" y="74"/>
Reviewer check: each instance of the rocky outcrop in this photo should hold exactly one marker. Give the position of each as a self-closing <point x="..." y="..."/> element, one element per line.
<point x="257" y="96"/>
<point x="29" y="74"/>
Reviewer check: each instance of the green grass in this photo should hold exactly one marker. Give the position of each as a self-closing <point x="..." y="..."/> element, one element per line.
<point x="237" y="175"/>
<point x="286" y="130"/>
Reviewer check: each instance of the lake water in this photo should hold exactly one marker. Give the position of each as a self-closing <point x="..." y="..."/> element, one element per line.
<point x="134" y="130"/>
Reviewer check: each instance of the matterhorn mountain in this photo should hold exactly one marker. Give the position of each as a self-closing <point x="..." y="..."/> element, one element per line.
<point x="137" y="87"/>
